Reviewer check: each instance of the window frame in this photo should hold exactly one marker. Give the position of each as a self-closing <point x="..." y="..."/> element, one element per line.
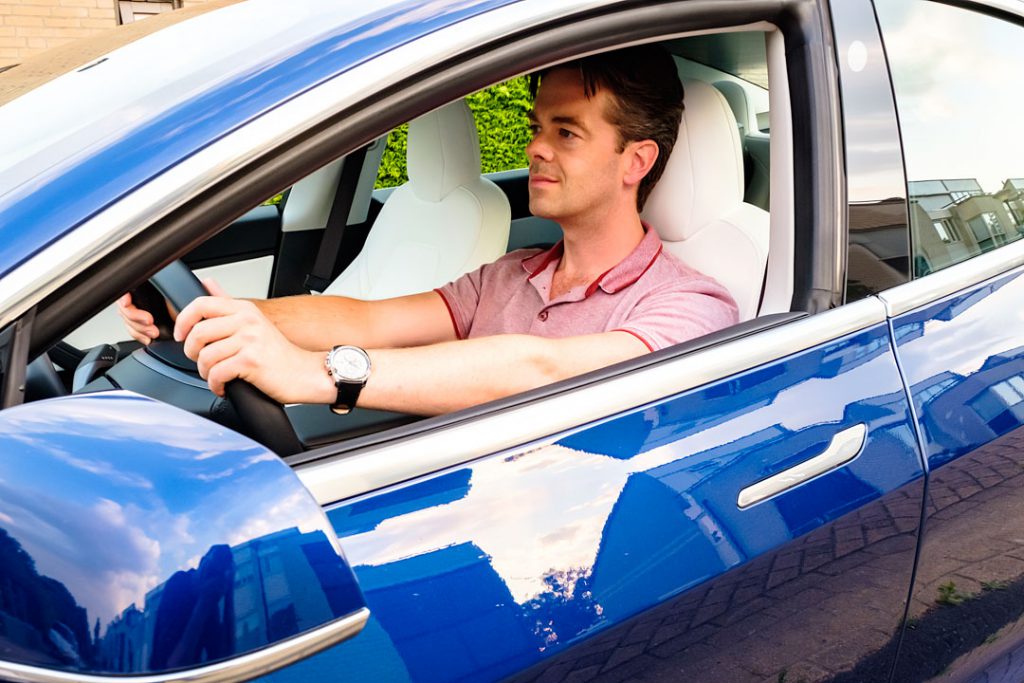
<point x="812" y="151"/>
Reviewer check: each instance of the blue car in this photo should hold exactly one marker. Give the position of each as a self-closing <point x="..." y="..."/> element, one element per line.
<point x="830" y="490"/>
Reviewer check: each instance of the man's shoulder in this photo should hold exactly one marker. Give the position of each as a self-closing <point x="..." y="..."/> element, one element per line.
<point x="670" y="270"/>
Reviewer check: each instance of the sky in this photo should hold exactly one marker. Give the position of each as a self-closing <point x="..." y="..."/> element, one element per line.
<point x="957" y="80"/>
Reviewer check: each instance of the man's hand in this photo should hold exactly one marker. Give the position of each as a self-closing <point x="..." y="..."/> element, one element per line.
<point x="140" y="323"/>
<point x="232" y="339"/>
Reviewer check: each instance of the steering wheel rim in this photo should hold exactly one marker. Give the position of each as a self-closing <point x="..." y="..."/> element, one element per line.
<point x="264" y="418"/>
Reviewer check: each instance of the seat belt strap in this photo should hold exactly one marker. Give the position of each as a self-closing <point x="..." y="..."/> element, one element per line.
<point x="330" y="244"/>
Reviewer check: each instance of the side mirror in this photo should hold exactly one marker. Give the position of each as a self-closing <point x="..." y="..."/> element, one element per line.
<point x="136" y="538"/>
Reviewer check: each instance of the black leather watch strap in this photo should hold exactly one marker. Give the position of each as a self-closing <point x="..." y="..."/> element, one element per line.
<point x="348" y="394"/>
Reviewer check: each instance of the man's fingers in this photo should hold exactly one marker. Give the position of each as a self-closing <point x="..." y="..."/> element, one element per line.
<point x="208" y="307"/>
<point x="138" y="321"/>
<point x="213" y="287"/>
<point x="213" y="357"/>
<point x="209" y="331"/>
<point x="133" y="313"/>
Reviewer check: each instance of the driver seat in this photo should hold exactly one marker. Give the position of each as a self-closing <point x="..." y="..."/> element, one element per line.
<point x="446" y="221"/>
<point x="697" y="206"/>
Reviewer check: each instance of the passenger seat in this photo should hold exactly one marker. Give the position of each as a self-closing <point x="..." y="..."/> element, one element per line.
<point x="446" y="221"/>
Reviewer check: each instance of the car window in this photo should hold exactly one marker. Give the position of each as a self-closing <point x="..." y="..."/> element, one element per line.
<point x="500" y="112"/>
<point x="955" y="101"/>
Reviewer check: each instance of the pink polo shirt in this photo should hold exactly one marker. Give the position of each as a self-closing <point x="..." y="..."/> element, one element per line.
<point x="649" y="294"/>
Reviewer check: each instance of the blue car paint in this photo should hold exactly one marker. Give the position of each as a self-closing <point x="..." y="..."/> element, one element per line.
<point x="139" y="538"/>
<point x="480" y="572"/>
<point x="964" y="362"/>
<point x="55" y="202"/>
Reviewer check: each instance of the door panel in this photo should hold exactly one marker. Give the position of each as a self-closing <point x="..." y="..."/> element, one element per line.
<point x="523" y="558"/>
<point x="964" y="362"/>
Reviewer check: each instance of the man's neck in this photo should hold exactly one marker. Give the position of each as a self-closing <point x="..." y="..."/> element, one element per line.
<point x="593" y="247"/>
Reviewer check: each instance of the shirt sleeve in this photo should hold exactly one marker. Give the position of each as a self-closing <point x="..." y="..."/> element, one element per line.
<point x="462" y="297"/>
<point x="674" y="314"/>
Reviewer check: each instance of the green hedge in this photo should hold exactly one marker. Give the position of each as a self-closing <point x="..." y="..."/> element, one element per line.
<point x="501" y="120"/>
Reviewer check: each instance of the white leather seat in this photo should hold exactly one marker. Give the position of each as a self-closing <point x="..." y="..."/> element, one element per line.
<point x="697" y="207"/>
<point x="446" y="221"/>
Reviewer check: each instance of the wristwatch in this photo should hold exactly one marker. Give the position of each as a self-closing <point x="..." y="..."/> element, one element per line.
<point x="349" y="367"/>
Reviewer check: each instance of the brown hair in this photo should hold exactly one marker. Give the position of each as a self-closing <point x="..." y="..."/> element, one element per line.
<point x="647" y="99"/>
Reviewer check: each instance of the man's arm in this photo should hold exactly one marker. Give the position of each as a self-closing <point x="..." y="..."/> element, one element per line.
<point x="319" y="322"/>
<point x="440" y="378"/>
<point x="233" y="339"/>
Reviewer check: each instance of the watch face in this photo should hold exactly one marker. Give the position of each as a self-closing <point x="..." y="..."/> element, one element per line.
<point x="349" y="363"/>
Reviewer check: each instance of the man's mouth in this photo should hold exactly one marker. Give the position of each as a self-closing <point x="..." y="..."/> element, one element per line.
<point x="541" y="180"/>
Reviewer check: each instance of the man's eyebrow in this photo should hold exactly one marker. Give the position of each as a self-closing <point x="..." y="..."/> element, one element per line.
<point x="565" y="120"/>
<point x="569" y="120"/>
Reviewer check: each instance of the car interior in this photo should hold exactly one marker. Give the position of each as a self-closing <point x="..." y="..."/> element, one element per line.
<point x="335" y="233"/>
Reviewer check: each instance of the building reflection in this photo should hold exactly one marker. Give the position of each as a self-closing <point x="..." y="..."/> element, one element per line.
<point x="238" y="598"/>
<point x="955" y="219"/>
<point x="40" y="621"/>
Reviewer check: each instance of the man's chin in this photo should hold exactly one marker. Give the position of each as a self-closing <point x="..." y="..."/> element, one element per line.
<point x="543" y="210"/>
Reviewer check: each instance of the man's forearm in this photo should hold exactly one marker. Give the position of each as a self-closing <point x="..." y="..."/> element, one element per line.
<point x="315" y="322"/>
<point x="444" y="377"/>
<point x="321" y="322"/>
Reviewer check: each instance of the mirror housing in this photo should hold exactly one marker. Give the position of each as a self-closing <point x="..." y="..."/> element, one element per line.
<point x="138" y="539"/>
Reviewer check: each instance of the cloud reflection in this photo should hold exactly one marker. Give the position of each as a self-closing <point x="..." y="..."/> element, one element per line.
<point x="112" y="493"/>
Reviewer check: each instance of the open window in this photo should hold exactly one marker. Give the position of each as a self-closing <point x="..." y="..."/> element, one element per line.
<point x="711" y="209"/>
<point x="737" y="76"/>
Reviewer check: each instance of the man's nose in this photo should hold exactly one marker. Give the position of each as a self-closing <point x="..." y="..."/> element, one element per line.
<point x="538" y="148"/>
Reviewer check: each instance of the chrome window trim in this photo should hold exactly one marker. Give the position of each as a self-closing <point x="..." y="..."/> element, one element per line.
<point x="343" y="476"/>
<point x="240" y="668"/>
<point x="55" y="265"/>
<point x="938" y="285"/>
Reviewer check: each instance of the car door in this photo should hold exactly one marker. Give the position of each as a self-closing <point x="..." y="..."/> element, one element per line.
<point x="959" y="331"/>
<point x="761" y="522"/>
<point x="744" y="507"/>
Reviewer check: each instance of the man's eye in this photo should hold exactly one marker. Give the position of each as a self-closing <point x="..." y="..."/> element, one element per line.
<point x="567" y="134"/>
<point x="534" y="129"/>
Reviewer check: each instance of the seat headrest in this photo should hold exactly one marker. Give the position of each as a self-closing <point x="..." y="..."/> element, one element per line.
<point x="704" y="175"/>
<point x="736" y="96"/>
<point x="443" y="151"/>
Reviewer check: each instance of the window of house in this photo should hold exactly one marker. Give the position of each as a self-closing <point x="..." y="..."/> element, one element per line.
<point x="947" y="231"/>
<point x="1013" y="208"/>
<point x="988" y="231"/>
<point x="129" y="11"/>
<point x="952" y="104"/>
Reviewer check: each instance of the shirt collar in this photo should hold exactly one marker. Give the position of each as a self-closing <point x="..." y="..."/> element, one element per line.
<point x="618" y="277"/>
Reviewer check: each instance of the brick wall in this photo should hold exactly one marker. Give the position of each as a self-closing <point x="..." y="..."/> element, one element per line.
<point x="28" y="27"/>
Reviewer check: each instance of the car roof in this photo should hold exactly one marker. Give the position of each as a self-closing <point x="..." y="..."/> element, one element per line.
<point x="133" y="102"/>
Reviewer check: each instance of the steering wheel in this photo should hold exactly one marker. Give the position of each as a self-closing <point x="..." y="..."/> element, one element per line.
<point x="263" y="417"/>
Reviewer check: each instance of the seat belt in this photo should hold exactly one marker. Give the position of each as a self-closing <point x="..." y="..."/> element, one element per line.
<point x="330" y="244"/>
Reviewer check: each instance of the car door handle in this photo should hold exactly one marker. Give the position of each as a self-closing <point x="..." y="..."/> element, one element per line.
<point x="843" y="448"/>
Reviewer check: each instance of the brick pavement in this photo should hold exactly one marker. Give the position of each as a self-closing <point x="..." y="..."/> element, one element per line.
<point x="826" y="608"/>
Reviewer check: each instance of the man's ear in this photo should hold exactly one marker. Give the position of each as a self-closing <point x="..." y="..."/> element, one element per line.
<point x="638" y="157"/>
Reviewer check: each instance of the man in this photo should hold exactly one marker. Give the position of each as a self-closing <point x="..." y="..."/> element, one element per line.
<point x="603" y="128"/>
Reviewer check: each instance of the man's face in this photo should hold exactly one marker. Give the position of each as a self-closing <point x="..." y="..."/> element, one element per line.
<point x="576" y="168"/>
